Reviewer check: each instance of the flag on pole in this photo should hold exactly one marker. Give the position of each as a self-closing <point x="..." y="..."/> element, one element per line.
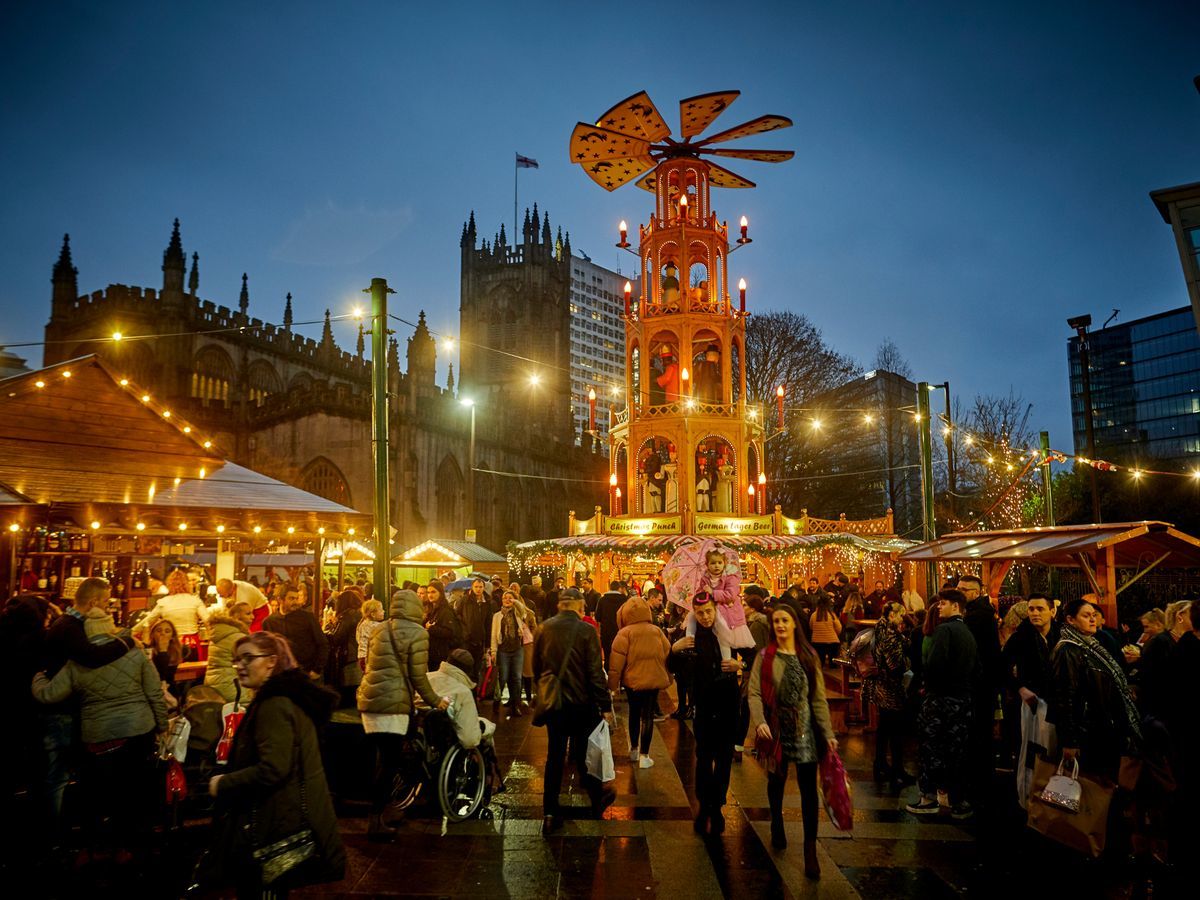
<point x="525" y="162"/>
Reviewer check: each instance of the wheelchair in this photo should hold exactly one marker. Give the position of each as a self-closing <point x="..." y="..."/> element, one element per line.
<point x="457" y="777"/>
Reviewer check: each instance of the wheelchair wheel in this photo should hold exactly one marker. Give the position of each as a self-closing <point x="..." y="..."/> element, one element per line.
<point x="462" y="783"/>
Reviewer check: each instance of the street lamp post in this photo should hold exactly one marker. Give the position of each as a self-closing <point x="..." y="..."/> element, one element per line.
<point x="381" y="575"/>
<point x="470" y="404"/>
<point x="1080" y="324"/>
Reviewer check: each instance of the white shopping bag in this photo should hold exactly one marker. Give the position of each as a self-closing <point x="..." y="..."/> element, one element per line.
<point x="1037" y="735"/>
<point x="599" y="753"/>
<point x="176" y="742"/>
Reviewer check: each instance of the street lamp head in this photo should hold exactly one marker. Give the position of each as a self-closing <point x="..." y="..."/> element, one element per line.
<point x="1079" y="322"/>
<point x="535" y="379"/>
<point x="467" y="401"/>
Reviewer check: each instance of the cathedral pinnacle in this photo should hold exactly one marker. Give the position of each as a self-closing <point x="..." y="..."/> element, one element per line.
<point x="360" y="347"/>
<point x="194" y="278"/>
<point x="173" y="255"/>
<point x="450" y="379"/>
<point x="244" y="296"/>
<point x="327" y="332"/>
<point x="287" y="312"/>
<point x="64" y="270"/>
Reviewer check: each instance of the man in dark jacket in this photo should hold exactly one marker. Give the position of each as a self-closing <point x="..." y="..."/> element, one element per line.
<point x="606" y="614"/>
<point x="717" y="701"/>
<point x="1026" y="656"/>
<point x="591" y="597"/>
<point x="475" y="611"/>
<point x="568" y="647"/>
<point x="951" y="673"/>
<point x="549" y="604"/>
<point x="980" y="618"/>
<point x="310" y="646"/>
<point x="64" y="641"/>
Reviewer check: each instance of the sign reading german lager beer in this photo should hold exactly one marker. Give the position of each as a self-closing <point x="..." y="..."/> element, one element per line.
<point x="645" y="525"/>
<point x="710" y="523"/>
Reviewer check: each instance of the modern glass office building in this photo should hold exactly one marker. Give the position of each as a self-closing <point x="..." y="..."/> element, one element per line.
<point x="1145" y="377"/>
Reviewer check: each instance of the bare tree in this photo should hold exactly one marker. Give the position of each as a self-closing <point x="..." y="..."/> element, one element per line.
<point x="785" y="348"/>
<point x="889" y="358"/>
<point x="992" y="440"/>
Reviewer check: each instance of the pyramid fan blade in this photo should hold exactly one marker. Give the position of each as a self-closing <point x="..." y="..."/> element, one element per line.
<point x="754" y="126"/>
<point x="772" y="156"/>
<point x="722" y="177"/>
<point x="648" y="182"/>
<point x="589" y="143"/>
<point x="611" y="174"/>
<point x="697" y="113"/>
<point x="636" y="116"/>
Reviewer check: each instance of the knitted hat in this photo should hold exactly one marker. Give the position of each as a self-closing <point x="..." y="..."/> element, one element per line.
<point x="462" y="659"/>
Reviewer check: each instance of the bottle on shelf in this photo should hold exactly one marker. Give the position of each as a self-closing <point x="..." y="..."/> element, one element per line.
<point x="76" y="567"/>
<point x="42" y="581"/>
<point x="53" y="542"/>
<point x="53" y="580"/>
<point x="28" y="577"/>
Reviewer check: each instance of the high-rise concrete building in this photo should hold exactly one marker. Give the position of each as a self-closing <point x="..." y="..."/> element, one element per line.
<point x="1145" y="382"/>
<point x="597" y="343"/>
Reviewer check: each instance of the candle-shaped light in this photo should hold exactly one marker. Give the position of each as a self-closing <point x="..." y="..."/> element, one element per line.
<point x="683" y="203"/>
<point x="762" y="491"/>
<point x="779" y="398"/>
<point x="745" y="225"/>
<point x="684" y="375"/>
<point x="591" y="409"/>
<point x="624" y="229"/>
<point x="628" y="295"/>
<point x="617" y="508"/>
<point x="742" y="294"/>
<point x="613" y="491"/>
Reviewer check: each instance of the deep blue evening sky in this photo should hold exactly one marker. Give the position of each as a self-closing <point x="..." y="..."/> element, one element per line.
<point x="965" y="179"/>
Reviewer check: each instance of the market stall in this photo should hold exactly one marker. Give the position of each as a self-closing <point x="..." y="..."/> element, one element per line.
<point x="773" y="560"/>
<point x="1113" y="556"/>
<point x="98" y="479"/>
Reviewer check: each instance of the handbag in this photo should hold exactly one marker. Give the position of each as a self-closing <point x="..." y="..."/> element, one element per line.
<point x="232" y="720"/>
<point x="1063" y="791"/>
<point x="548" y="698"/>
<point x="1085" y="831"/>
<point x="835" y="791"/>
<point x="278" y="858"/>
<point x="486" y="689"/>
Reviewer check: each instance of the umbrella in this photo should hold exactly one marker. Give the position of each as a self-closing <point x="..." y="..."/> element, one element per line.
<point x="683" y="571"/>
<point x="463" y="584"/>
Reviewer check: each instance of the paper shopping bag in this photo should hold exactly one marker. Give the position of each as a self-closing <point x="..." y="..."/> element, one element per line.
<point x="1085" y="831"/>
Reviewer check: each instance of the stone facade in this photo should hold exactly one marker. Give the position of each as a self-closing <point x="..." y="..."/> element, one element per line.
<point x="299" y="409"/>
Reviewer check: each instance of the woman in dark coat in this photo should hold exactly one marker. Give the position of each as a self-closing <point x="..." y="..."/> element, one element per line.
<point x="445" y="631"/>
<point x="342" y="671"/>
<point x="885" y="688"/>
<point x="275" y="786"/>
<point x="1092" y="708"/>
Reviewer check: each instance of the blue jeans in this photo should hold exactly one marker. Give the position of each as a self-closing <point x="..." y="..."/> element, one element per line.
<point x="510" y="664"/>
<point x="58" y="734"/>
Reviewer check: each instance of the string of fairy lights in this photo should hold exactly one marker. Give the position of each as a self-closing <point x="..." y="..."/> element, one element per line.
<point x="45" y="381"/>
<point x="991" y="451"/>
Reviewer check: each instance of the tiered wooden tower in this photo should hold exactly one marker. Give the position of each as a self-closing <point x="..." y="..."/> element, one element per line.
<point x="687" y="441"/>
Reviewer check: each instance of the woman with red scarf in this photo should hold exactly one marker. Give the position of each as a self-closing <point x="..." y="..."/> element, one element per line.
<point x="791" y="720"/>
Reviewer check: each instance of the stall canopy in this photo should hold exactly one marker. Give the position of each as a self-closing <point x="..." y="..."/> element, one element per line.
<point x="1098" y="549"/>
<point x="80" y="444"/>
<point x="446" y="554"/>
<point x="765" y="543"/>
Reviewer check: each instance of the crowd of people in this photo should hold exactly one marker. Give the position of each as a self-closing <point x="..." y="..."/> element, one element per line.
<point x="954" y="677"/>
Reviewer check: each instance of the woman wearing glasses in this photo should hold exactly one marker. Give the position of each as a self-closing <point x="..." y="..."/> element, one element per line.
<point x="275" y="787"/>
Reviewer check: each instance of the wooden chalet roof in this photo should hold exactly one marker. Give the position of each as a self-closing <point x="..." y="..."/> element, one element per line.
<point x="74" y="438"/>
<point x="1134" y="545"/>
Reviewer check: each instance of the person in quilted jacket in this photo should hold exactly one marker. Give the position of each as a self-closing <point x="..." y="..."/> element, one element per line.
<point x="397" y="668"/>
<point x="122" y="711"/>
<point x="639" y="664"/>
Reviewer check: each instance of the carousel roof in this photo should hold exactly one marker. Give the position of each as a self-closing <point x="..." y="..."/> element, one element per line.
<point x="768" y="543"/>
